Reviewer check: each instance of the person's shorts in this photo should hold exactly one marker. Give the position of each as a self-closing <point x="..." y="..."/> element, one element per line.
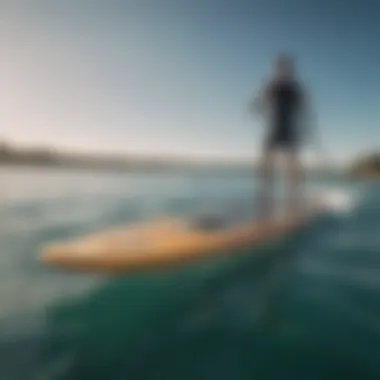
<point x="282" y="137"/>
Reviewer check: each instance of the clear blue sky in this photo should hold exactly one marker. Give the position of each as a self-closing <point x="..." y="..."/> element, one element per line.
<point x="175" y="76"/>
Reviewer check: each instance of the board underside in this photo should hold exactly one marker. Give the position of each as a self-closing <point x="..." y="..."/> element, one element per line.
<point x="169" y="242"/>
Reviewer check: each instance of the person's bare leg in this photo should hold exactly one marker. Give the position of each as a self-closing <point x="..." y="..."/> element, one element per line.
<point x="266" y="190"/>
<point x="294" y="181"/>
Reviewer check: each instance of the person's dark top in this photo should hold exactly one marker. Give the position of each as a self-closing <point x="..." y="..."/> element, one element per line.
<point x="285" y="101"/>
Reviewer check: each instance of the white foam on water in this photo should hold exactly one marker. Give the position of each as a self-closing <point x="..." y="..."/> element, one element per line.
<point x="340" y="200"/>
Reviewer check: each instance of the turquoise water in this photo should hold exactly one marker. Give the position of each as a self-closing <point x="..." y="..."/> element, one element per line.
<point x="307" y="307"/>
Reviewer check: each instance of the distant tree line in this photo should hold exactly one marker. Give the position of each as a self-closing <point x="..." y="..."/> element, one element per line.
<point x="369" y="164"/>
<point x="15" y="156"/>
<point x="45" y="157"/>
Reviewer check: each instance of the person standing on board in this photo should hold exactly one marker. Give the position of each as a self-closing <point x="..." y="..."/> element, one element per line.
<point x="283" y="102"/>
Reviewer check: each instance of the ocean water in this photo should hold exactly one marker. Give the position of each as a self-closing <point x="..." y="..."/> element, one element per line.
<point x="305" y="307"/>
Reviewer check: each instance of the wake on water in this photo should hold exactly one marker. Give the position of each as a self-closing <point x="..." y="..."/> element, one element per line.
<point x="242" y="301"/>
<point x="338" y="200"/>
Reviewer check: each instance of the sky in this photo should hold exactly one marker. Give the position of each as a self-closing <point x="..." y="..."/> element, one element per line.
<point x="174" y="77"/>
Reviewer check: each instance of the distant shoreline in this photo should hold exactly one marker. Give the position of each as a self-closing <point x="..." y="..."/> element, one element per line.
<point x="45" y="158"/>
<point x="366" y="168"/>
<point x="366" y="175"/>
<point x="10" y="156"/>
<point x="97" y="162"/>
<point x="197" y="170"/>
<point x="132" y="169"/>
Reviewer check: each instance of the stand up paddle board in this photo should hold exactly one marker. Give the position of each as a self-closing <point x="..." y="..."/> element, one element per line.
<point x="171" y="242"/>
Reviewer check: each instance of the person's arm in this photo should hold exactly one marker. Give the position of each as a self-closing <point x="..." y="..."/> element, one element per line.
<point x="308" y="122"/>
<point x="310" y="128"/>
<point x="259" y="101"/>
